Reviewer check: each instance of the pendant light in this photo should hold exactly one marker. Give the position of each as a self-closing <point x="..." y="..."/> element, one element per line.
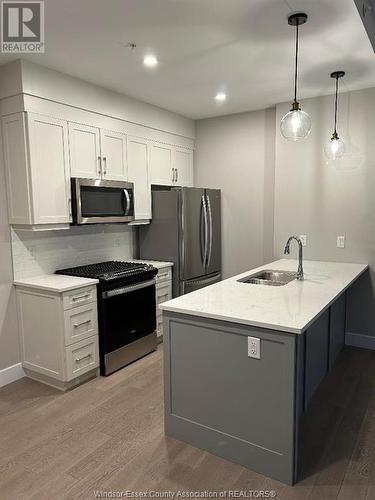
<point x="335" y="147"/>
<point x="296" y="124"/>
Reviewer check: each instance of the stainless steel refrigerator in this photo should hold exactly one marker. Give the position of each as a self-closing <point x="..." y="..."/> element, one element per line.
<point x="186" y="230"/>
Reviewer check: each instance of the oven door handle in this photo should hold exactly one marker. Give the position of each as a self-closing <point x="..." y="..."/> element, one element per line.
<point x="126" y="289"/>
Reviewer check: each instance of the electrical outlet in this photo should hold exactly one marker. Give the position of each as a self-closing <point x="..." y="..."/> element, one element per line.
<point x="303" y="239"/>
<point x="253" y="347"/>
<point x="117" y="242"/>
<point x="32" y="251"/>
<point x="340" y="242"/>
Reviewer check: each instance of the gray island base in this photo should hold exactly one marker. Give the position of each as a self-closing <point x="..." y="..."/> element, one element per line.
<point x="243" y="409"/>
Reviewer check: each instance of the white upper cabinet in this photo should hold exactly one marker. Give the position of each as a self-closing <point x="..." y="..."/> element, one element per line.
<point x="183" y="164"/>
<point x="42" y="153"/>
<point x="97" y="153"/>
<point x="138" y="169"/>
<point x="171" y="166"/>
<point x="84" y="149"/>
<point x="37" y="169"/>
<point x="113" y="151"/>
<point x="161" y="164"/>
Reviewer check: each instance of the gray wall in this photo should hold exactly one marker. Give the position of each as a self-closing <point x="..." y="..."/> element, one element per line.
<point x="325" y="199"/>
<point x="273" y="188"/>
<point x="236" y="154"/>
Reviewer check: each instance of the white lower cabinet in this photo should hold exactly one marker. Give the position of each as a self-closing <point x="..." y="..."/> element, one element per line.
<point x="59" y="334"/>
<point x="80" y="323"/>
<point x="163" y="293"/>
<point x="81" y="357"/>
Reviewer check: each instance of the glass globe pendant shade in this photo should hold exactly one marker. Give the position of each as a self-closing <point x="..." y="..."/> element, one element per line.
<point x="295" y="125"/>
<point x="334" y="148"/>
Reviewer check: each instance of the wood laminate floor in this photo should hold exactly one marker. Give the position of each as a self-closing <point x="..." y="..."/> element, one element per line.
<point x="107" y="435"/>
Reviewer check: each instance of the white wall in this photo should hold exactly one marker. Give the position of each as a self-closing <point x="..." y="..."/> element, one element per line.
<point x="262" y="174"/>
<point x="324" y="200"/>
<point x="36" y="253"/>
<point x="9" y="346"/>
<point x="236" y="154"/>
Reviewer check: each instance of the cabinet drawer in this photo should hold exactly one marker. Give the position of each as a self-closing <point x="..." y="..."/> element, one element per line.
<point x="82" y="357"/>
<point x="80" y="322"/>
<point x="159" y="325"/>
<point x="164" y="274"/>
<point x="163" y="293"/>
<point x="79" y="297"/>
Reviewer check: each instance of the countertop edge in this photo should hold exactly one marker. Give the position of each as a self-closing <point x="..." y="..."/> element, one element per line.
<point x="257" y="324"/>
<point x="56" y="289"/>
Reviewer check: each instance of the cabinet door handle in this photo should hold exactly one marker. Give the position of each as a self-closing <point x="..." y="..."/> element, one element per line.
<point x="83" y="357"/>
<point x="99" y="165"/>
<point x="77" y="325"/>
<point x="172" y="174"/>
<point x="104" y="165"/>
<point x="79" y="297"/>
<point x="70" y="207"/>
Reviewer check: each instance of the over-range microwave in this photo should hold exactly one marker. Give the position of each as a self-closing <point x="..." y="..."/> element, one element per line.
<point x="96" y="201"/>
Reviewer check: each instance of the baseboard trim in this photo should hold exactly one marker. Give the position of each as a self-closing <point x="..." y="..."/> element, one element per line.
<point x="358" y="340"/>
<point x="11" y="374"/>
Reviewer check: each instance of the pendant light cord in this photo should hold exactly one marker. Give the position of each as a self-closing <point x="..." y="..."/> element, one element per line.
<point x="296" y="65"/>
<point x="336" y="98"/>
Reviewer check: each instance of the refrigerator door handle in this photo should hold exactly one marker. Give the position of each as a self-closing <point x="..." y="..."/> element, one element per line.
<point x="210" y="231"/>
<point x="205" y="218"/>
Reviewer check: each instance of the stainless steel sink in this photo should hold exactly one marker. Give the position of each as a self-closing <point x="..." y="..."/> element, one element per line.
<point x="269" y="277"/>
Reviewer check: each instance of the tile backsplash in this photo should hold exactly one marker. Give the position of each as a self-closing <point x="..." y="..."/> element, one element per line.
<point x="36" y="253"/>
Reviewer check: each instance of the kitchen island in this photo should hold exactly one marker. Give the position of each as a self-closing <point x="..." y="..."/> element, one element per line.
<point x="243" y="360"/>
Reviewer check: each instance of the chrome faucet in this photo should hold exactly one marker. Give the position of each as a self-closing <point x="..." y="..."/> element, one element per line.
<point x="287" y="252"/>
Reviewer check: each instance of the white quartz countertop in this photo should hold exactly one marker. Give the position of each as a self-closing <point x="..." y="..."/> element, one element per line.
<point x="55" y="282"/>
<point x="289" y="308"/>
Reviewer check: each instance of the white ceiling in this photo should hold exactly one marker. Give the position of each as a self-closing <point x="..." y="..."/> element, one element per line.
<point x="244" y="47"/>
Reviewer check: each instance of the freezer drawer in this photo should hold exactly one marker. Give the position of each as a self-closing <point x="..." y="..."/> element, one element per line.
<point x="196" y="284"/>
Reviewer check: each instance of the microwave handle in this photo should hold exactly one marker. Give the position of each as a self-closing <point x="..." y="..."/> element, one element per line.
<point x="127" y="200"/>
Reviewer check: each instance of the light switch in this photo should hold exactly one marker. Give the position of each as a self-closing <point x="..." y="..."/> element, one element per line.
<point x="253" y="347"/>
<point x="340" y="242"/>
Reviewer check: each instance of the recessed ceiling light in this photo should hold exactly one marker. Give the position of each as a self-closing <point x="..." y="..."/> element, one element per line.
<point x="221" y="96"/>
<point x="150" y="61"/>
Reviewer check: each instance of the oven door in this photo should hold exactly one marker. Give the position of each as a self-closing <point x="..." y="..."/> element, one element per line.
<point x="97" y="201"/>
<point x="127" y="318"/>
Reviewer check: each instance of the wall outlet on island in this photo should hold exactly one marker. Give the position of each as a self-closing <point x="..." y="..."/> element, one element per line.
<point x="253" y="347"/>
<point x="340" y="242"/>
<point x="303" y="238"/>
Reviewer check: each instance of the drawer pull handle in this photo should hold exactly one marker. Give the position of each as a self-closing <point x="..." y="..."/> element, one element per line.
<point x="79" y="297"/>
<point x="77" y="325"/>
<point x="83" y="357"/>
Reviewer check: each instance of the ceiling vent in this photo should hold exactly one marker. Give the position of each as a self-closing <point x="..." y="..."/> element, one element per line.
<point x="366" y="9"/>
